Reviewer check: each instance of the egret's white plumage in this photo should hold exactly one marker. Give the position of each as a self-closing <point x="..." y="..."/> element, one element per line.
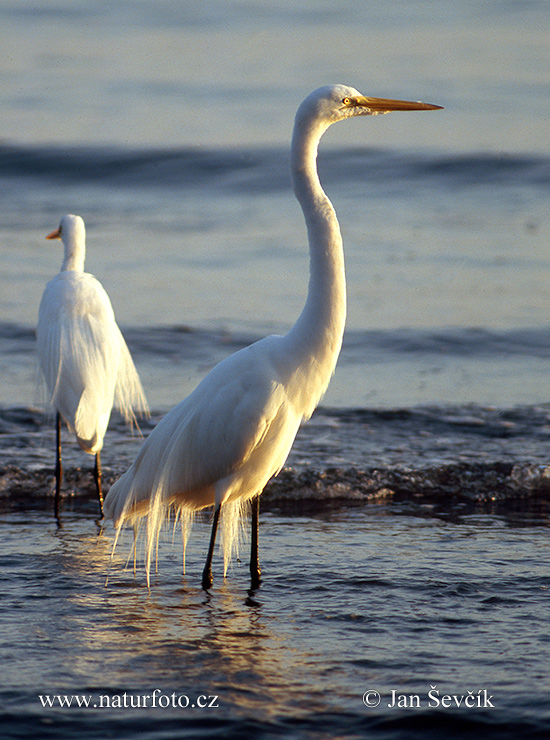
<point x="221" y="445"/>
<point x="83" y="357"/>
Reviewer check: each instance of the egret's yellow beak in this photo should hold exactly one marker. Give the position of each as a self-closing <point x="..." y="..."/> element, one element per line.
<point x="383" y="105"/>
<point x="56" y="234"/>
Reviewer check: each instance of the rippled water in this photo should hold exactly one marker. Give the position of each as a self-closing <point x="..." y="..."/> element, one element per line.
<point x="380" y="598"/>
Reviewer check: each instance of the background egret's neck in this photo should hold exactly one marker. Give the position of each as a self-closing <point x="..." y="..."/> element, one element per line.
<point x="75" y="252"/>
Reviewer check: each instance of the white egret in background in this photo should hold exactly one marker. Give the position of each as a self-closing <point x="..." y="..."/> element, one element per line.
<point x="221" y="445"/>
<point x="83" y="357"/>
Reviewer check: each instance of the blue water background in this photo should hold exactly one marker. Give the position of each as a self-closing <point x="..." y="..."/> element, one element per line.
<point x="166" y="126"/>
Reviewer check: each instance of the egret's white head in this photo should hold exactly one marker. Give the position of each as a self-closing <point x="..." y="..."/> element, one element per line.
<point x="72" y="233"/>
<point x="71" y="228"/>
<point x="333" y="103"/>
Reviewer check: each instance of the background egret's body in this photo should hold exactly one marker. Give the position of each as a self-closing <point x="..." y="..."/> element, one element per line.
<point x="221" y="445"/>
<point x="83" y="357"/>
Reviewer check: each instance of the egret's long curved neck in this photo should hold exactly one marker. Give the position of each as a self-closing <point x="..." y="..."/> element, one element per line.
<point x="320" y="326"/>
<point x="74" y="254"/>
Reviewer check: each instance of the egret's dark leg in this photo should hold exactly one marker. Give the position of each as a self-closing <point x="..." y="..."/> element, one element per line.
<point x="255" y="570"/>
<point x="97" y="479"/>
<point x="207" y="579"/>
<point x="58" y="464"/>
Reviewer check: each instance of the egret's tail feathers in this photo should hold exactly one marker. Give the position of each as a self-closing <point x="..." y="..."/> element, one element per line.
<point x="149" y="517"/>
<point x="129" y="394"/>
<point x="234" y="514"/>
<point x="185" y="518"/>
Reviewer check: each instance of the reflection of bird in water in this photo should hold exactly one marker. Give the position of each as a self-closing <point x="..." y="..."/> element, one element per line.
<point x="221" y="445"/>
<point x="83" y="356"/>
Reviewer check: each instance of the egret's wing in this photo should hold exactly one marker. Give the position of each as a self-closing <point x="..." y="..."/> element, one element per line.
<point x="58" y="361"/>
<point x="111" y="376"/>
<point x="210" y="435"/>
<point x="224" y="421"/>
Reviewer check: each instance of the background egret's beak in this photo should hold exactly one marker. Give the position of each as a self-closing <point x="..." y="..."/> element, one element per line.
<point x="56" y="234"/>
<point x="383" y="105"/>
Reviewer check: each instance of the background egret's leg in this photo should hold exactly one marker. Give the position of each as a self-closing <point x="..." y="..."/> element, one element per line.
<point x="97" y="479"/>
<point x="255" y="570"/>
<point x="58" y="464"/>
<point x="207" y="579"/>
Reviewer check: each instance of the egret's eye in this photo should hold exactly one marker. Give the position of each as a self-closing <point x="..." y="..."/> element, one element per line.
<point x="346" y="101"/>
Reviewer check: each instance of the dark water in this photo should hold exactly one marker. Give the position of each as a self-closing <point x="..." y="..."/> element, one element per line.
<point x="265" y="168"/>
<point x="379" y="598"/>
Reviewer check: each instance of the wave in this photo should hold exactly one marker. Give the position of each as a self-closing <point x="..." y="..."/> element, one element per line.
<point x="359" y="345"/>
<point x="263" y="168"/>
<point x="465" y="342"/>
<point x="446" y="457"/>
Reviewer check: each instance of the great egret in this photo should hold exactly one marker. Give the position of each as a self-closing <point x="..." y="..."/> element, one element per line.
<point x="221" y="445"/>
<point x="83" y="357"/>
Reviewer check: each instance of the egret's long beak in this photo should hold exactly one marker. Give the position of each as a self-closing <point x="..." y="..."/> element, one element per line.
<point x="55" y="234"/>
<point x="383" y="105"/>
